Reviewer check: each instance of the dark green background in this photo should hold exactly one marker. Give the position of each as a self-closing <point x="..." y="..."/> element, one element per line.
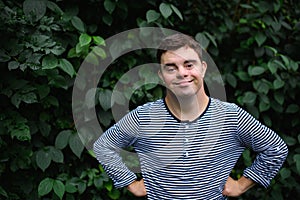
<point x="254" y="43"/>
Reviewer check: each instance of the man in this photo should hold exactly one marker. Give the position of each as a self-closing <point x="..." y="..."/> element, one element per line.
<point x="188" y="142"/>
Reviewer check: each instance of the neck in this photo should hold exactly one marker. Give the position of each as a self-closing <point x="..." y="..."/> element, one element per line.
<point x="187" y="108"/>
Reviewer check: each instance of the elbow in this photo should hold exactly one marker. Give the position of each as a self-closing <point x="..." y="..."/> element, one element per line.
<point x="97" y="149"/>
<point x="285" y="150"/>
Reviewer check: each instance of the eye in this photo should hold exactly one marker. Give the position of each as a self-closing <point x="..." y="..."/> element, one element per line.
<point x="170" y="69"/>
<point x="189" y="65"/>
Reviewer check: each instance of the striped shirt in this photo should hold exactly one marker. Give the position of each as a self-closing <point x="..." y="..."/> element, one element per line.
<point x="189" y="159"/>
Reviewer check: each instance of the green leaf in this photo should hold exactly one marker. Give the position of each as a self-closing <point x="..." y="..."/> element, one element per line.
<point x="280" y="64"/>
<point x="92" y="58"/>
<point x="81" y="187"/>
<point x="76" y="144"/>
<point x="84" y="39"/>
<point x="13" y="65"/>
<point x="16" y="99"/>
<point x="72" y="53"/>
<point x="262" y="86"/>
<point x="98" y="40"/>
<point x="43" y="90"/>
<point x="49" y="62"/>
<point x="43" y="159"/>
<point x="57" y="50"/>
<point x="285" y="173"/>
<point x="278" y="83"/>
<point x="62" y="139"/>
<point x="247" y="6"/>
<point x="272" y="66"/>
<point x="70" y="187"/>
<point x="294" y="65"/>
<point x="243" y="76"/>
<point x="279" y="97"/>
<point x="292" y="108"/>
<point x="109" y="6"/>
<point x="90" y="98"/>
<point x="45" y="186"/>
<point x="105" y="117"/>
<point x="290" y="141"/>
<point x="263" y="106"/>
<point x="59" y="188"/>
<point x="3" y="56"/>
<point x="114" y="194"/>
<point x="34" y="9"/>
<point x="108" y="185"/>
<point x="21" y="132"/>
<point x="247" y="157"/>
<point x="177" y="12"/>
<point x="59" y="82"/>
<point x="296" y="158"/>
<point x="45" y="128"/>
<point x="267" y="121"/>
<point x="67" y="67"/>
<point x="118" y="97"/>
<point x="78" y="24"/>
<point x="260" y="38"/>
<point x="165" y="10"/>
<point x="100" y="52"/>
<point x="107" y="19"/>
<point x="286" y="60"/>
<point x="202" y="39"/>
<point x="54" y="7"/>
<point x="211" y="38"/>
<point x="256" y="70"/>
<point x="29" y="98"/>
<point x="3" y="192"/>
<point x="152" y="16"/>
<point x="249" y="97"/>
<point x="105" y="99"/>
<point x="56" y="155"/>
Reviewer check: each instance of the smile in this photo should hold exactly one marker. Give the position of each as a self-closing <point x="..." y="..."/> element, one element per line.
<point x="183" y="83"/>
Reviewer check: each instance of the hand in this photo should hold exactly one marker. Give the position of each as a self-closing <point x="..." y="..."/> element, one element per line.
<point x="234" y="188"/>
<point x="231" y="188"/>
<point x="137" y="188"/>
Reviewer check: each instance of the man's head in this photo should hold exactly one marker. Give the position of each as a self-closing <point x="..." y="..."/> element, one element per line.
<point x="176" y="41"/>
<point x="182" y="69"/>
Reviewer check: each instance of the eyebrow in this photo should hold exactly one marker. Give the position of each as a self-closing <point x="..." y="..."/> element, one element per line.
<point x="173" y="64"/>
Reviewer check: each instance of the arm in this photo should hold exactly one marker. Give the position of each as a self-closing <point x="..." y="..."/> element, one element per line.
<point x="109" y="145"/>
<point x="270" y="148"/>
<point x="137" y="188"/>
<point x="235" y="188"/>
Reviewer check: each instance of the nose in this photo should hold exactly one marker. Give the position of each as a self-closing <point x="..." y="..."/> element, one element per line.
<point x="182" y="72"/>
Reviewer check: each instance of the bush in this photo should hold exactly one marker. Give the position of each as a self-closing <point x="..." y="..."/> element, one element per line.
<point x="255" y="44"/>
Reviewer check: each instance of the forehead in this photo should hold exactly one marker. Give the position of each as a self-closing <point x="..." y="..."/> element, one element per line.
<point x="179" y="55"/>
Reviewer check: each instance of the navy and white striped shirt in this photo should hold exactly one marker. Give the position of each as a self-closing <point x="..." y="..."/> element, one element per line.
<point x="189" y="160"/>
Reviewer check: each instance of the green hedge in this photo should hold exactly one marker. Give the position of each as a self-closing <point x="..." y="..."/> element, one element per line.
<point x="255" y="44"/>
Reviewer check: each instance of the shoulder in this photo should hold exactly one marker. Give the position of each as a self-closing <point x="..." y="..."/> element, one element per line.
<point x="224" y="106"/>
<point x="149" y="107"/>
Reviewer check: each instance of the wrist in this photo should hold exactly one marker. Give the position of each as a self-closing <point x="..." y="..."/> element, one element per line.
<point x="245" y="184"/>
<point x="131" y="184"/>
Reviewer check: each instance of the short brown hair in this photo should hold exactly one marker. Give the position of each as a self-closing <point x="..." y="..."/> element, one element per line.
<point x="176" y="41"/>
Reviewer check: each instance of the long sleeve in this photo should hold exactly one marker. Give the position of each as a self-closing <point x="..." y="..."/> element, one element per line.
<point x="109" y="146"/>
<point x="270" y="148"/>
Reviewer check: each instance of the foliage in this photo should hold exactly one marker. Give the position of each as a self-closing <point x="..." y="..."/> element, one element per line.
<point x="254" y="43"/>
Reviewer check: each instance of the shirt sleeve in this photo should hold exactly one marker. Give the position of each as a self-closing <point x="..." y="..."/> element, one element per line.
<point x="109" y="146"/>
<point x="270" y="148"/>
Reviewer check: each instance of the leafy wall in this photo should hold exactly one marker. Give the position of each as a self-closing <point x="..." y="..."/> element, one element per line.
<point x="254" y="43"/>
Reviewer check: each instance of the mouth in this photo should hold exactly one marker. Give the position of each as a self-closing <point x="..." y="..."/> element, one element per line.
<point x="183" y="83"/>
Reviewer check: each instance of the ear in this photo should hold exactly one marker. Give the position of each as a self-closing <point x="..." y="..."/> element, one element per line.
<point x="160" y="75"/>
<point x="203" y="68"/>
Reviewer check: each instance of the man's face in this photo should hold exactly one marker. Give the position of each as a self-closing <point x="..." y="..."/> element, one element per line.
<point x="182" y="72"/>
